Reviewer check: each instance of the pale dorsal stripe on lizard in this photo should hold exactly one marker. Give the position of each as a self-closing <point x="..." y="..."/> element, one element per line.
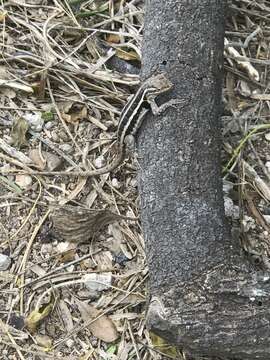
<point x="131" y="126"/>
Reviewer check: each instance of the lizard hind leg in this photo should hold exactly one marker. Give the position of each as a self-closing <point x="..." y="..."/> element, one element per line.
<point x="130" y="143"/>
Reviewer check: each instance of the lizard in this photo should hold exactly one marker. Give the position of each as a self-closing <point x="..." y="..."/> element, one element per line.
<point x="130" y="121"/>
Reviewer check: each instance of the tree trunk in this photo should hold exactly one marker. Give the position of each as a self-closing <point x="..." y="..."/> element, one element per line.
<point x="205" y="297"/>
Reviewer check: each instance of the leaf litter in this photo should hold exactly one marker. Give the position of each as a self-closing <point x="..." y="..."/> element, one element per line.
<point x="66" y="70"/>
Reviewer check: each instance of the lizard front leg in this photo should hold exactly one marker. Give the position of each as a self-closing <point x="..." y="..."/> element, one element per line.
<point x="158" y="109"/>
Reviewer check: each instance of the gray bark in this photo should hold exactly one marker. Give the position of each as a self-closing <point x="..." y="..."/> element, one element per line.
<point x="205" y="297"/>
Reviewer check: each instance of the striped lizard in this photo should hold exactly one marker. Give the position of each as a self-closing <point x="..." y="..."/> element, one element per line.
<point x="130" y="121"/>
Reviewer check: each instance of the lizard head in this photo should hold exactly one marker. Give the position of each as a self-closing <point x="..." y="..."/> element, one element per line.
<point x="160" y="83"/>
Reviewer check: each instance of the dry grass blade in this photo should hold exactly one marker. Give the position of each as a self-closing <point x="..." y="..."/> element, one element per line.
<point x="68" y="68"/>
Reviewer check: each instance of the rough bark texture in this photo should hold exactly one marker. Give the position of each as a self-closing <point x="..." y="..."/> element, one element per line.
<point x="205" y="297"/>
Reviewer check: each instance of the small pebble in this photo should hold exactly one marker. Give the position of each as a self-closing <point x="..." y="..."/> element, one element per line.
<point x="55" y="136"/>
<point x="46" y="249"/>
<point x="43" y="340"/>
<point x="23" y="181"/>
<point x="231" y="210"/>
<point x="244" y="89"/>
<point x="133" y="183"/>
<point x="88" y="263"/>
<point x="98" y="282"/>
<point x="35" y="121"/>
<point x="8" y="140"/>
<point x="63" y="136"/>
<point x="63" y="246"/>
<point x="53" y="160"/>
<point x="70" y="343"/>
<point x="99" y="162"/>
<point x="267" y="218"/>
<point x="33" y="195"/>
<point x="227" y="187"/>
<point x="48" y="125"/>
<point x="71" y="268"/>
<point x="248" y="223"/>
<point x="115" y="183"/>
<point x="67" y="148"/>
<point x="4" y="262"/>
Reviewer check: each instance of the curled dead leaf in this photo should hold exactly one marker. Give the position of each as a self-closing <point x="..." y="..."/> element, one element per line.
<point x="103" y="328"/>
<point x="73" y="112"/>
<point x="36" y="316"/>
<point x="162" y="345"/>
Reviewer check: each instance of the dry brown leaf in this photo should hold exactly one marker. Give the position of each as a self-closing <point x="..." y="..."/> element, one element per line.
<point x="162" y="345"/>
<point x="73" y="112"/>
<point x="103" y="328"/>
<point x="113" y="38"/>
<point x="53" y="161"/>
<point x="98" y="282"/>
<point x="127" y="55"/>
<point x="4" y="74"/>
<point x="104" y="260"/>
<point x="23" y="181"/>
<point x="37" y="159"/>
<point x="66" y="315"/>
<point x="67" y="256"/>
<point x="9" y="93"/>
<point x="133" y="299"/>
<point x="44" y="341"/>
<point x="18" y="132"/>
